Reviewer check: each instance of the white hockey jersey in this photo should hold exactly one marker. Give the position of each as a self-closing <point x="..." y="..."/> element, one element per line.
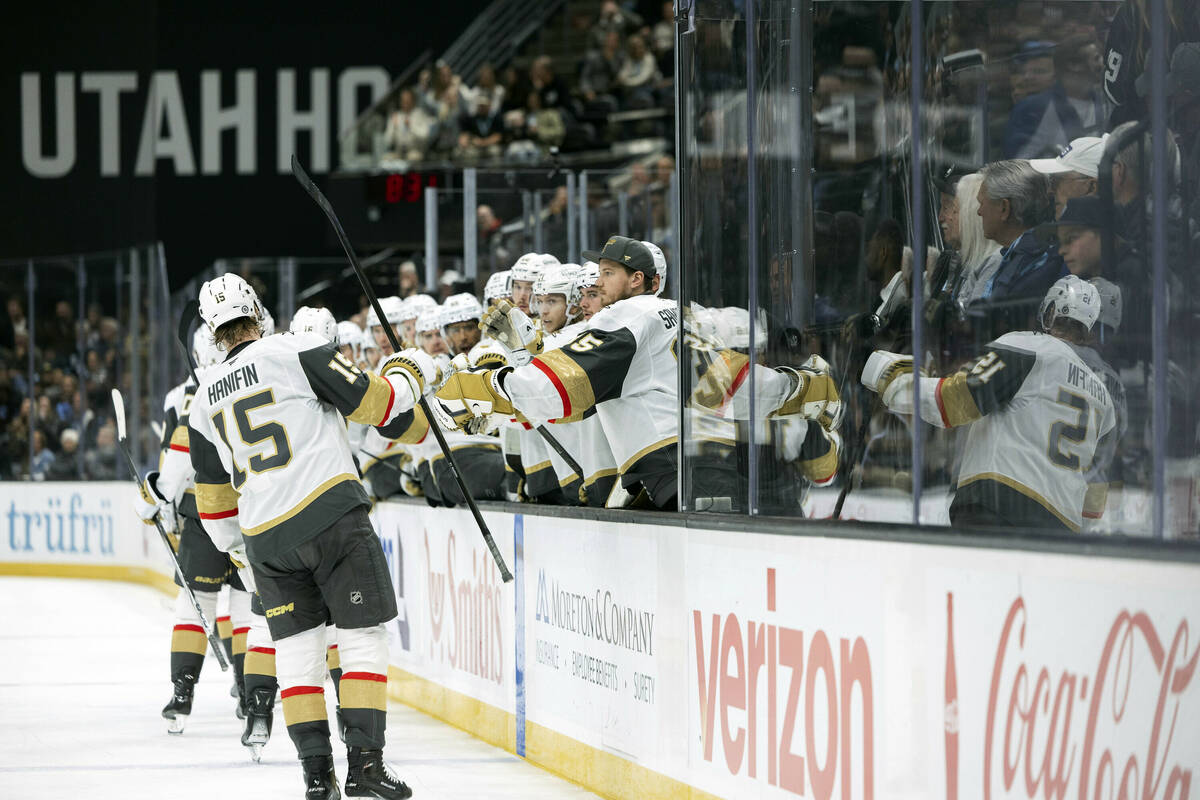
<point x="176" y="477"/>
<point x="268" y="439"/>
<point x="1037" y="413"/>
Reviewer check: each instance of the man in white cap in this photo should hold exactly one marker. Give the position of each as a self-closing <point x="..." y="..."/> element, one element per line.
<point x="1074" y="173"/>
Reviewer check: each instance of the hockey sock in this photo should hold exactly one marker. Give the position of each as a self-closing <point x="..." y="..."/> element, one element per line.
<point x="225" y="632"/>
<point x="300" y="660"/>
<point x="259" y="668"/>
<point x="239" y="612"/>
<point x="364" y="654"/>
<point x="189" y="640"/>
<point x="333" y="662"/>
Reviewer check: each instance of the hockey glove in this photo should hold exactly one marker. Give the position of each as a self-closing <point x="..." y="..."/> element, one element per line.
<point x="151" y="504"/>
<point x="882" y="368"/>
<point x="814" y="395"/>
<point x="514" y="331"/>
<point x="415" y="366"/>
<point x="468" y="398"/>
<point x="237" y="554"/>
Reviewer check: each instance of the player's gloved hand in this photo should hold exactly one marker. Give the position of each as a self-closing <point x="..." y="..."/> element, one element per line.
<point x="882" y="369"/>
<point x="467" y="399"/>
<point x="815" y="394"/>
<point x="150" y="504"/>
<point x="247" y="576"/>
<point x="237" y="554"/>
<point x="415" y="366"/>
<point x="459" y="363"/>
<point x="512" y="330"/>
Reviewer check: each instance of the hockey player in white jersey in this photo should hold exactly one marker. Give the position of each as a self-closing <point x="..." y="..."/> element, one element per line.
<point x="522" y="277"/>
<point x="624" y="365"/>
<point x="349" y="340"/>
<point x="394" y="310"/>
<point x="169" y="494"/>
<point x="498" y="287"/>
<point x="1037" y="414"/>
<point x="276" y="487"/>
<point x="590" y="298"/>
<point x="413" y="308"/>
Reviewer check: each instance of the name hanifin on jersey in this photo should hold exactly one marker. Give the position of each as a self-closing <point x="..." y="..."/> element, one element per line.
<point x="238" y="379"/>
<point x="1083" y="378"/>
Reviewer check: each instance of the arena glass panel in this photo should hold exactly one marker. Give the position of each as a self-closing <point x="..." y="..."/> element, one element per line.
<point x="895" y="189"/>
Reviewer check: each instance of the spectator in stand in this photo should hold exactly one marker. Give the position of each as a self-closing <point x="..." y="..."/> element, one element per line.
<point x="1074" y="173"/>
<point x="550" y="88"/>
<point x="46" y="420"/>
<point x="481" y="133"/>
<point x="445" y="137"/>
<point x="1033" y="70"/>
<point x="1045" y="122"/>
<point x="492" y="249"/>
<point x="487" y="87"/>
<point x="16" y="314"/>
<point x="59" y="332"/>
<point x="408" y="130"/>
<point x="100" y="461"/>
<point x="516" y="89"/>
<point x="598" y="75"/>
<point x="614" y="18"/>
<point x="1127" y="49"/>
<point x="410" y="280"/>
<point x="639" y="75"/>
<point x="663" y="39"/>
<point x="66" y="463"/>
<point x="43" y="457"/>
<point x="980" y="255"/>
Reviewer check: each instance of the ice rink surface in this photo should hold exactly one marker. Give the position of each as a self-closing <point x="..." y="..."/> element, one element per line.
<point x="85" y="676"/>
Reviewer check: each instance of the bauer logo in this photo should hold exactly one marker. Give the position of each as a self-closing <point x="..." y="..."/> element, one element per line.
<point x="52" y="524"/>
<point x="782" y="706"/>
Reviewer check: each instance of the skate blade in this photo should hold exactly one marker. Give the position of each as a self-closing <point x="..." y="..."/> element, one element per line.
<point x="256" y="752"/>
<point x="177" y="724"/>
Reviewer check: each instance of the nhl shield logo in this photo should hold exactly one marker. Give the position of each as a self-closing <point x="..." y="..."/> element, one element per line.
<point x="356" y="598"/>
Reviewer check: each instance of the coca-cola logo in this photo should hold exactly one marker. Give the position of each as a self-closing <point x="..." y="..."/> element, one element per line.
<point x="1110" y="734"/>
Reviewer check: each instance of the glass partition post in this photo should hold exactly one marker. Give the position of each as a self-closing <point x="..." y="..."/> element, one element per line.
<point x="585" y="236"/>
<point x="573" y="254"/>
<point x="623" y="213"/>
<point x="539" y="241"/>
<point x="1158" y="221"/>
<point x="31" y="324"/>
<point x="917" y="177"/>
<point x="470" y="222"/>
<point x="80" y="321"/>
<point x="752" y="242"/>
<point x="133" y="403"/>
<point x="431" y="241"/>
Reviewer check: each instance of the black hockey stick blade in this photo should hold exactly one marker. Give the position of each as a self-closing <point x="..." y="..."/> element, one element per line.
<point x="184" y="335"/>
<point x="213" y="641"/>
<point x="321" y="200"/>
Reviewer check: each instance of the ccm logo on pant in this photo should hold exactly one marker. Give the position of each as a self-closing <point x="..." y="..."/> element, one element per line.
<point x="277" y="610"/>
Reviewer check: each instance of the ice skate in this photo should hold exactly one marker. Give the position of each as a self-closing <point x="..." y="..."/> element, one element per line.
<point x="180" y="706"/>
<point x="259" y="716"/>
<point x="370" y="776"/>
<point x="341" y="724"/>
<point x="320" y="781"/>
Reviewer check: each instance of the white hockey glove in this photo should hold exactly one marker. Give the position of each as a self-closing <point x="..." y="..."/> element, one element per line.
<point x="417" y="367"/>
<point x="150" y="504"/>
<point x="814" y="395"/>
<point x="467" y="399"/>
<point x="881" y="371"/>
<point x="514" y="331"/>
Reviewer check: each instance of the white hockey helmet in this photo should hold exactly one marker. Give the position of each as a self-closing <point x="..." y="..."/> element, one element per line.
<point x="417" y="305"/>
<point x="392" y="311"/>
<point x="349" y="334"/>
<point x="367" y="342"/>
<point x="589" y="274"/>
<point x="1070" y="298"/>
<point x="204" y="349"/>
<point x="732" y="327"/>
<point x="498" y="286"/>
<point x="461" y="307"/>
<point x="531" y="265"/>
<point x="315" y="320"/>
<point x="268" y="322"/>
<point x="660" y="266"/>
<point x="559" y="279"/>
<point x="1111" y="305"/>
<point x="227" y="298"/>
<point x="430" y="320"/>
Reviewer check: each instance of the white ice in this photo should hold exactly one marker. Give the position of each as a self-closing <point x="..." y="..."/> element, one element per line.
<point x="85" y="675"/>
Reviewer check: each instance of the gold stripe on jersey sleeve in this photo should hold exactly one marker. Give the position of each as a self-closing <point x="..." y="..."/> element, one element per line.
<point x="595" y="476"/>
<point x="375" y="402"/>
<point x="574" y="380"/>
<point x="955" y="401"/>
<point x="418" y="430"/>
<point x="1094" y="500"/>
<point x="629" y="462"/>
<point x="214" y="498"/>
<point x="821" y="468"/>
<point x="567" y="481"/>
<point x="538" y="467"/>
<point x="713" y="388"/>
<point x="1023" y="489"/>
<point x="180" y="437"/>
<point x="303" y="504"/>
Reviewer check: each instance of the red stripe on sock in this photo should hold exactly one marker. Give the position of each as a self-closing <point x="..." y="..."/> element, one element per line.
<point x="333" y="647"/>
<point x="195" y="628"/>
<point x="364" y="676"/>
<point x="270" y="651"/>
<point x="180" y="448"/>
<point x="298" y="690"/>
<point x="222" y="619"/>
<point x="236" y="631"/>
<point x="220" y="515"/>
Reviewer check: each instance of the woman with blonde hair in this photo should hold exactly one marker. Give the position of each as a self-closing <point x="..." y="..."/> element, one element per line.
<point x="980" y="255"/>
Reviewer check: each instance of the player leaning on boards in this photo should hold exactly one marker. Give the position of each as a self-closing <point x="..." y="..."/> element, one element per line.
<point x="276" y="485"/>
<point x="624" y="365"/>
<point x="169" y="494"/>
<point x="1037" y="413"/>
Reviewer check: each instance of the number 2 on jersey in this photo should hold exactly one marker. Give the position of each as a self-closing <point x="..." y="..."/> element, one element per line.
<point x="254" y="434"/>
<point x="1076" y="433"/>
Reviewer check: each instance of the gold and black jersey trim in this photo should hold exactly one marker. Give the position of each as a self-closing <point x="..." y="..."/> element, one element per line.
<point x="645" y="451"/>
<point x="1004" y="496"/>
<point x="180" y="439"/>
<point x="954" y="401"/>
<point x="720" y="374"/>
<point x="216" y="500"/>
<point x="409" y="427"/>
<point x="590" y="369"/>
<point x="322" y="507"/>
<point x="818" y="455"/>
<point x="569" y="380"/>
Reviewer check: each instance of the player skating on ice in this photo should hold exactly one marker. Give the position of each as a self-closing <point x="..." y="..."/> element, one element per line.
<point x="1037" y="414"/>
<point x="277" y="487"/>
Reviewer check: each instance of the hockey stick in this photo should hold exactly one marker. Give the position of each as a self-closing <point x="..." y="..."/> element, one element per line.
<point x="190" y="311"/>
<point x="213" y="641"/>
<point x="321" y="201"/>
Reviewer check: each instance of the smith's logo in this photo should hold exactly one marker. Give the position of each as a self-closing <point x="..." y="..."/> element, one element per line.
<point x="277" y="610"/>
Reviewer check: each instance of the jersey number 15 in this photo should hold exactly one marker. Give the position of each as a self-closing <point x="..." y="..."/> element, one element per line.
<point x="255" y="434"/>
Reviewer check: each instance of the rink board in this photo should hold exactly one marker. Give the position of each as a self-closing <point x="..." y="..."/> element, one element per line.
<point x="684" y="656"/>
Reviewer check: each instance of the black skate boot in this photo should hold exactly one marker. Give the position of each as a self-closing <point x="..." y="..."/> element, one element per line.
<point x="341" y="724"/>
<point x="260" y="714"/>
<point x="180" y="707"/>
<point x="243" y="702"/>
<point x="369" y="776"/>
<point x="320" y="782"/>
